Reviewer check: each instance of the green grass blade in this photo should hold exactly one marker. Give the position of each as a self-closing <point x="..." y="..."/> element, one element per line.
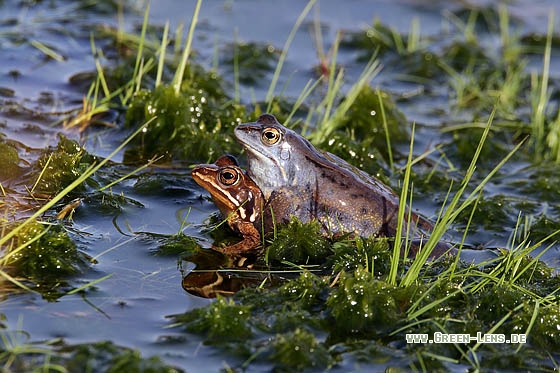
<point x="162" y="53"/>
<point x="178" y="78"/>
<point x="451" y="211"/>
<point x="400" y="220"/>
<point x="386" y="128"/>
<point x="280" y="64"/>
<point x="89" y="284"/>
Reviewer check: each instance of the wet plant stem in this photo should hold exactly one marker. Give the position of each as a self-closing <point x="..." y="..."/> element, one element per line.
<point x="178" y="79"/>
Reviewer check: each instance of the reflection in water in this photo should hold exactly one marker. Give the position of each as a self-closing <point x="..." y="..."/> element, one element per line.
<point x="210" y="283"/>
<point x="215" y="273"/>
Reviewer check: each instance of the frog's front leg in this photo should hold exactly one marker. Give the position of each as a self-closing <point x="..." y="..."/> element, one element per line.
<point x="249" y="245"/>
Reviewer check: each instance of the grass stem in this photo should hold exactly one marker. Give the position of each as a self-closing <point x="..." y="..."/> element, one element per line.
<point x="280" y="64"/>
<point x="178" y="79"/>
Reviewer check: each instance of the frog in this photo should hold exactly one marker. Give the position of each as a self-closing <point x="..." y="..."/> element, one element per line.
<point x="238" y="198"/>
<point x="297" y="179"/>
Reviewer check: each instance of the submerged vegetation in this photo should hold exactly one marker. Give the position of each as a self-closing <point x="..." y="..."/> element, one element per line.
<point x="354" y="300"/>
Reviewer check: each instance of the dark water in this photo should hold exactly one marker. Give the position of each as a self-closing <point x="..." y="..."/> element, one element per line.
<point x="130" y="308"/>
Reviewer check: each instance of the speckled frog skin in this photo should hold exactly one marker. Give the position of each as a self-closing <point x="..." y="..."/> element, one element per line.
<point x="297" y="179"/>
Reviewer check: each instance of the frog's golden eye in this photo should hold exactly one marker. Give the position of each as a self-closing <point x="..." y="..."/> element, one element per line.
<point x="270" y="136"/>
<point x="228" y="176"/>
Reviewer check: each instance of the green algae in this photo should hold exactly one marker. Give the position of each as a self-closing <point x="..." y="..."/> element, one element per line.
<point x="90" y="357"/>
<point x="222" y="321"/>
<point x="361" y="135"/>
<point x="254" y="61"/>
<point x="308" y="291"/>
<point x="47" y="253"/>
<point x="163" y="184"/>
<point x="379" y="38"/>
<point x="360" y="304"/>
<point x="195" y="125"/>
<point x="108" y="357"/>
<point x="177" y="244"/>
<point x="299" y="243"/>
<point x="494" y="213"/>
<point x="350" y="254"/>
<point x="9" y="159"/>
<point x="60" y="166"/>
<point x="299" y="350"/>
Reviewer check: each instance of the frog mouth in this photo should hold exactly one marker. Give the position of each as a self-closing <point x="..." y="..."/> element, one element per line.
<point x="258" y="154"/>
<point x="260" y="169"/>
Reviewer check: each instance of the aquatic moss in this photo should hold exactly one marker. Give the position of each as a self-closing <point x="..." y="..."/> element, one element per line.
<point x="109" y="203"/>
<point x="461" y="55"/>
<point x="361" y="134"/>
<point x="378" y="38"/>
<point x="61" y="166"/>
<point x="485" y="19"/>
<point x="545" y="329"/>
<point x="393" y="47"/>
<point x="541" y="183"/>
<point x="9" y="159"/>
<point x="299" y="243"/>
<point x="299" y="350"/>
<point x="496" y="301"/>
<point x="465" y="143"/>
<point x="172" y="184"/>
<point x="52" y="256"/>
<point x="362" y="305"/>
<point x="344" y="145"/>
<point x="534" y="275"/>
<point x="536" y="42"/>
<point x="255" y="60"/>
<point x="192" y="125"/>
<point x="372" y="253"/>
<point x="420" y="64"/>
<point x="365" y="118"/>
<point x="542" y="227"/>
<point x="308" y="290"/>
<point x="222" y="321"/>
<point x="110" y="358"/>
<point x="177" y="244"/>
<point x="495" y="213"/>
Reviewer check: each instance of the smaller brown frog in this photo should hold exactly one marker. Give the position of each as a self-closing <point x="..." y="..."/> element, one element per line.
<point x="239" y="199"/>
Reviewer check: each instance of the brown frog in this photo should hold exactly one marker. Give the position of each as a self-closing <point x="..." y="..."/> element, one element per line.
<point x="298" y="180"/>
<point x="239" y="199"/>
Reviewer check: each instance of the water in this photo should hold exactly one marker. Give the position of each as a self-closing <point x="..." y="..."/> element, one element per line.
<point x="131" y="306"/>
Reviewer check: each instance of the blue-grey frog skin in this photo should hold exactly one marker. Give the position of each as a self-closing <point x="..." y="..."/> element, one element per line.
<point x="299" y="180"/>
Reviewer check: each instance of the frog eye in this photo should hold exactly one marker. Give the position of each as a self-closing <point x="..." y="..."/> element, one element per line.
<point x="270" y="136"/>
<point x="228" y="176"/>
